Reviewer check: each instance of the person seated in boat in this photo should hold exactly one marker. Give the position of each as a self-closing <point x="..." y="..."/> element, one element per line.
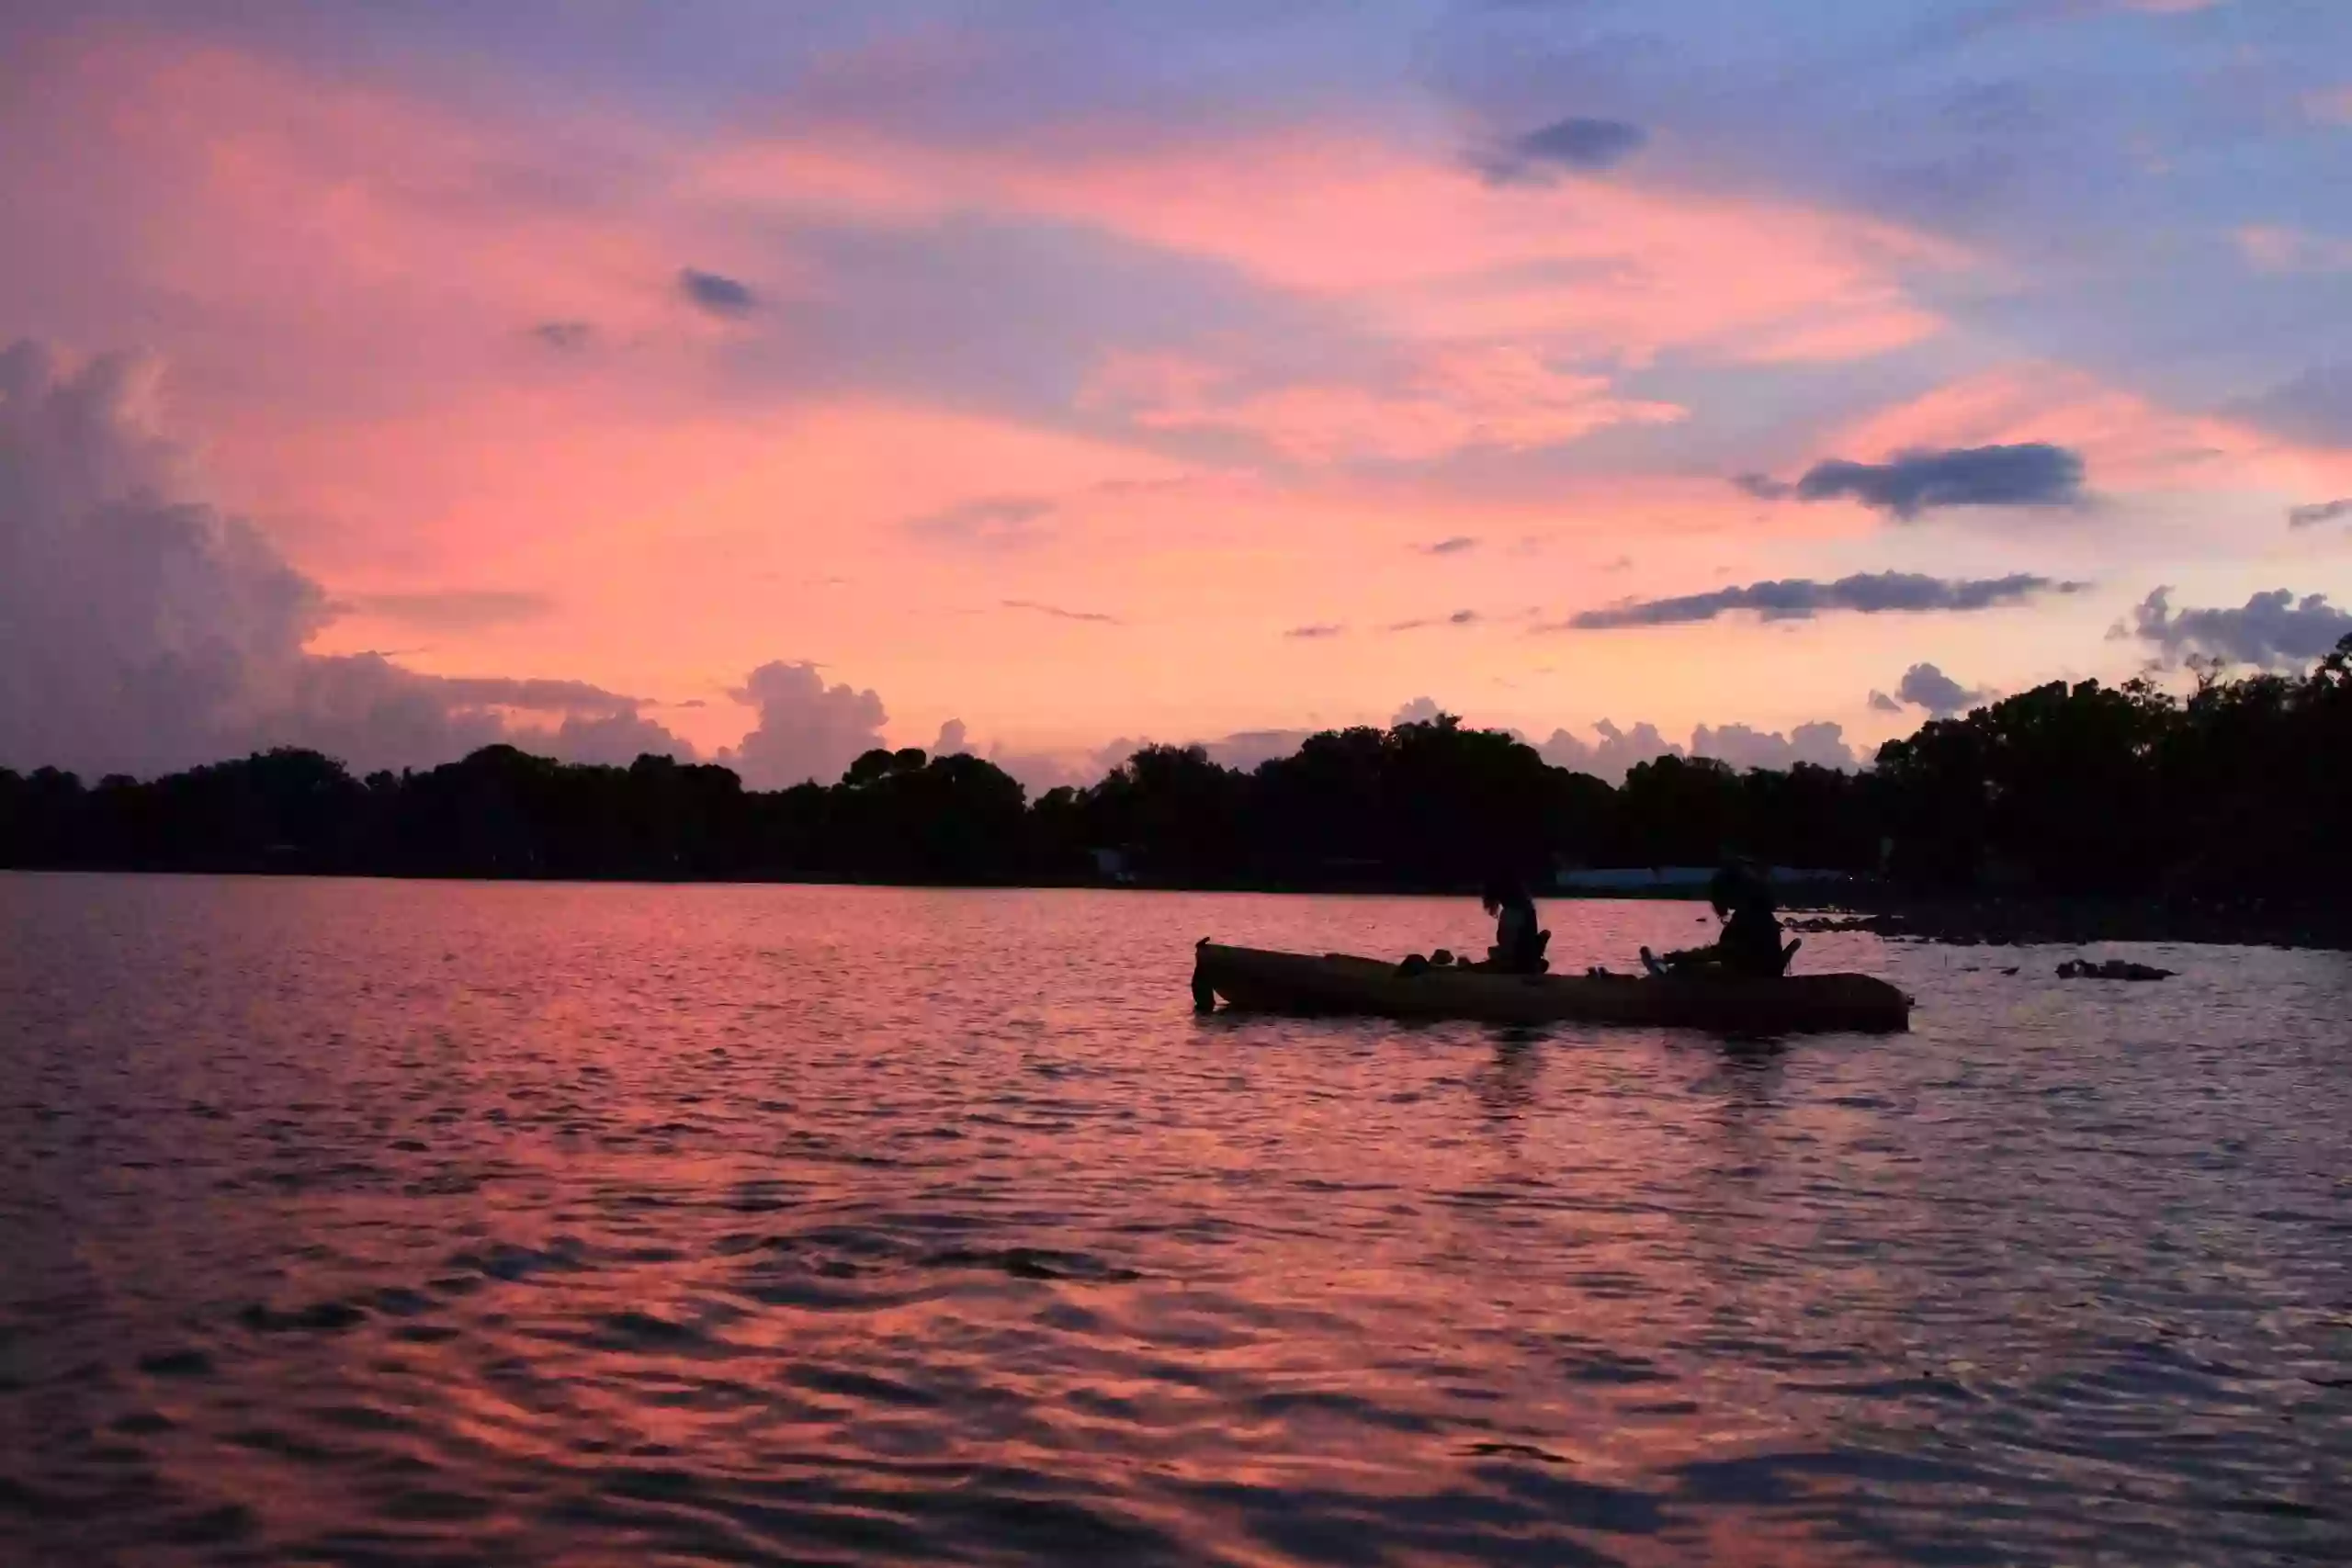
<point x="1749" y="943"/>
<point x="1519" y="946"/>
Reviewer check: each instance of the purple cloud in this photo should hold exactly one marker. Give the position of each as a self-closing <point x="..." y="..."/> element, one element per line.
<point x="719" y="296"/>
<point x="1798" y="598"/>
<point x="2274" y="630"/>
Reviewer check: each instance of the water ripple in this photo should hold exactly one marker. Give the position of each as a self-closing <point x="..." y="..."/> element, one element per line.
<point x="421" y="1224"/>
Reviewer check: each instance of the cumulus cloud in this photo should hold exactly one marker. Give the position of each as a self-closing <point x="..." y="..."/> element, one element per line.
<point x="141" y="630"/>
<point x="806" y="729"/>
<point x="134" y="628"/>
<point x="2318" y="512"/>
<point x="718" y="296"/>
<point x="1575" y="145"/>
<point x="614" y="739"/>
<point x="1420" y="710"/>
<point x="1799" y="598"/>
<point x="951" y="741"/>
<point x="2031" y="473"/>
<point x="1925" y="687"/>
<point x="454" y="609"/>
<point x="2274" y="630"/>
<point x="1821" y="744"/>
<point x="1245" y="748"/>
<point x="991" y="521"/>
<point x="1610" y="757"/>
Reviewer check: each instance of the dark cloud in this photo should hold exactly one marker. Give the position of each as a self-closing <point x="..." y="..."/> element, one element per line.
<point x="1060" y="613"/>
<point x="1314" y="632"/>
<point x="141" y="633"/>
<point x="719" y="296"/>
<point x="1882" y="703"/>
<point x="566" y="336"/>
<point x="1925" y="687"/>
<point x="1573" y="145"/>
<point x="2275" y="630"/>
<point x="1454" y="547"/>
<point x="454" y="609"/>
<point x="2032" y="473"/>
<point x="2321" y="511"/>
<point x="807" y="729"/>
<point x="1798" y="598"/>
<point x="1004" y="522"/>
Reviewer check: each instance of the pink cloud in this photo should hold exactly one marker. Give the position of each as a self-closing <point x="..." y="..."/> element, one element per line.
<point x="2269" y="248"/>
<point x="1448" y="400"/>
<point x="1429" y="251"/>
<point x="2128" y="441"/>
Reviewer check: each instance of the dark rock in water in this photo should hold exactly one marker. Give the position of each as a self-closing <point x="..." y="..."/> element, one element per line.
<point x="2112" y="969"/>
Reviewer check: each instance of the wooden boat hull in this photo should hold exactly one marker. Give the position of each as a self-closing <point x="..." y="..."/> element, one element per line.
<point x="1257" y="980"/>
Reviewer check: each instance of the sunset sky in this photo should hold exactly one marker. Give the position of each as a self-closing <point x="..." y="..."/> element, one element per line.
<point x="768" y="379"/>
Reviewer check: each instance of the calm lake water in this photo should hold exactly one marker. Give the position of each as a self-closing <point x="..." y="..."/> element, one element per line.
<point x="383" y="1222"/>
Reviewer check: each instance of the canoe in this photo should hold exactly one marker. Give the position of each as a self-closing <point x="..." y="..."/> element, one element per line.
<point x="1250" y="979"/>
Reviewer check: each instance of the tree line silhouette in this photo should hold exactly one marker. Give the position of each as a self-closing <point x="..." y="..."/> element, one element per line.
<point x="2241" y="787"/>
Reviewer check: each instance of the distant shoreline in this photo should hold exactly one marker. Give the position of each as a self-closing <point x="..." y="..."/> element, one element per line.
<point x="1953" y="921"/>
<point x="2064" y="922"/>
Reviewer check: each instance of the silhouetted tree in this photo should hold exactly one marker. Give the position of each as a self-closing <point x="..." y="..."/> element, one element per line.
<point x="2241" y="788"/>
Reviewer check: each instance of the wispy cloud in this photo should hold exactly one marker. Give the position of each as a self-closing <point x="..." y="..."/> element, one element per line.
<point x="1005" y="522"/>
<point x="1315" y="632"/>
<point x="1060" y="614"/>
<point x="1458" y="618"/>
<point x="2318" y="512"/>
<point x="1798" y="599"/>
<point x="566" y="336"/>
<point x="1458" y="544"/>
